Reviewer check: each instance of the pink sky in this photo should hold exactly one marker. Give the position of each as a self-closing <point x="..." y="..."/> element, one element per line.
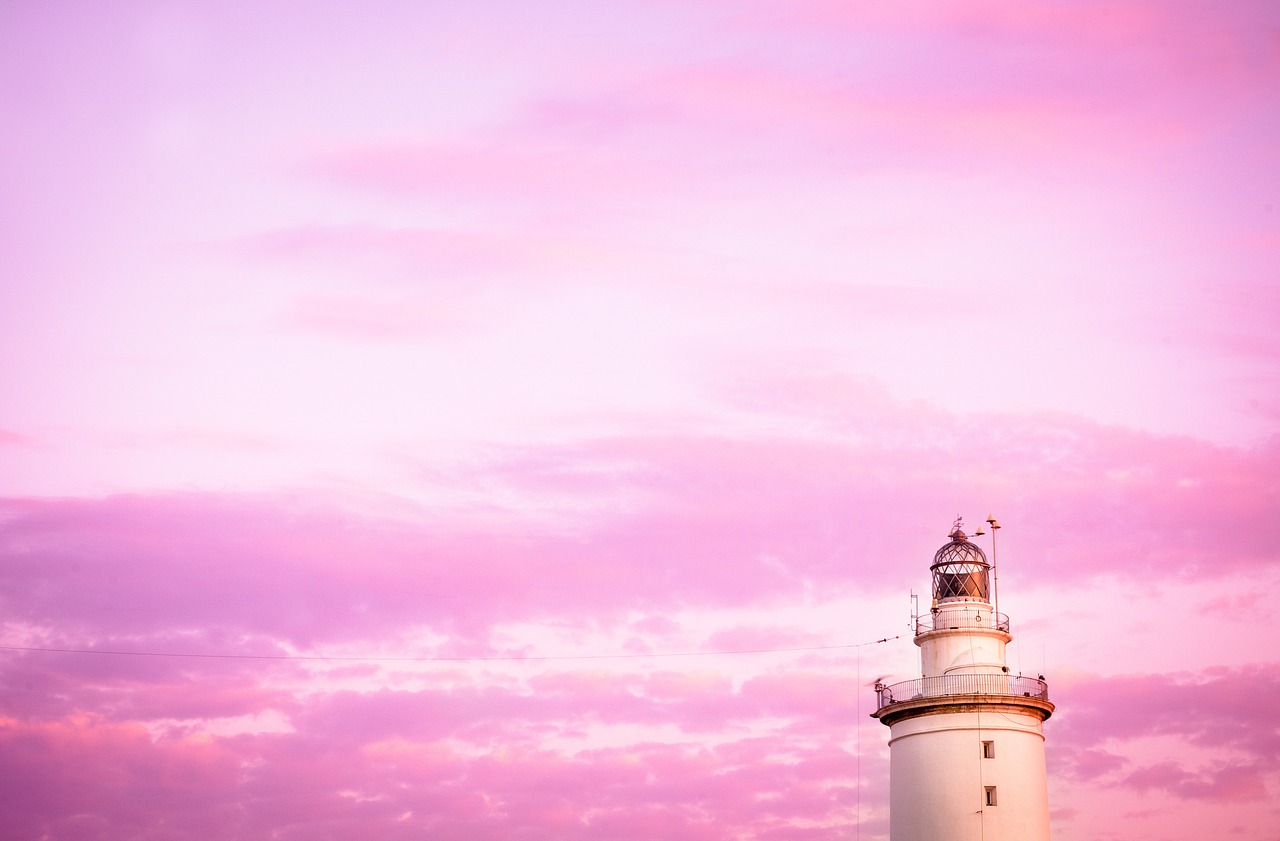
<point x="481" y="331"/>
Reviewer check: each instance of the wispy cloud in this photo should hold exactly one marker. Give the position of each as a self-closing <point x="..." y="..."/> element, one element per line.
<point x="491" y="333"/>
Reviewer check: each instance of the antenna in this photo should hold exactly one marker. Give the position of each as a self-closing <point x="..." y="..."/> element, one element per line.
<point x="995" y="567"/>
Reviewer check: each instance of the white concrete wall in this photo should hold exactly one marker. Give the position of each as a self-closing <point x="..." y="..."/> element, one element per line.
<point x="938" y="778"/>
<point x="971" y="651"/>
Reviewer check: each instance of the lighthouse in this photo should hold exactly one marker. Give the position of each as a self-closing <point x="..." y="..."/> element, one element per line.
<point x="966" y="743"/>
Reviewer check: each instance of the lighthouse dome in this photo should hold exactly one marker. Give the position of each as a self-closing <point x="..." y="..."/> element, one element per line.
<point x="960" y="571"/>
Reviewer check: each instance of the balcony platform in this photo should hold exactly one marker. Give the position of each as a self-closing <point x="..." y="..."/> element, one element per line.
<point x="962" y="693"/>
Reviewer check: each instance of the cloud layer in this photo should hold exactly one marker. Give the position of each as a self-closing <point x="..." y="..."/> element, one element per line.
<point x="478" y="421"/>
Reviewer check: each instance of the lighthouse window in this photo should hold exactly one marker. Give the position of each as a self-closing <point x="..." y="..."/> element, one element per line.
<point x="991" y="795"/>
<point x="988" y="750"/>
<point x="959" y="581"/>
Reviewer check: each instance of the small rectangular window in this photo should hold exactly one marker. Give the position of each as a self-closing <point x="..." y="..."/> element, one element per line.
<point x="988" y="750"/>
<point x="991" y="795"/>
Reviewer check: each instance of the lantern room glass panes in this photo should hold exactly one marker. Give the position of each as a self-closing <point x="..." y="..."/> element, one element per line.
<point x="964" y="583"/>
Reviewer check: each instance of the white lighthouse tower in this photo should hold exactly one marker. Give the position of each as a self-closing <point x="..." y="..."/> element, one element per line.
<point x="966" y="747"/>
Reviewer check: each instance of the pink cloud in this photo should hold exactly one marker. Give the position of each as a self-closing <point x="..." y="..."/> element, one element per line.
<point x="1222" y="706"/>
<point x="991" y="89"/>
<point x="1225" y="783"/>
<point x="746" y="638"/>
<point x="411" y="257"/>
<point x="757" y="298"/>
<point x="1219" y="710"/>
<point x="1087" y="763"/>
<point x="380" y="321"/>
<point x="295" y="785"/>
<point x="779" y="514"/>
<point x="123" y="689"/>
<point x="699" y="497"/>
<point x="84" y="778"/>
<point x="13" y="439"/>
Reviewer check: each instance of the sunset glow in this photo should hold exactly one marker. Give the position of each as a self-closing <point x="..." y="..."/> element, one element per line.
<point x="534" y="418"/>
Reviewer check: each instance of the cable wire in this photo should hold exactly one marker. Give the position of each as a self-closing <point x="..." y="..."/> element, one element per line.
<point x="476" y="659"/>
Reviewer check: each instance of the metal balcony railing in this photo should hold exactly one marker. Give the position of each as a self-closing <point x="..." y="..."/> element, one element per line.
<point x="968" y="684"/>
<point x="962" y="620"/>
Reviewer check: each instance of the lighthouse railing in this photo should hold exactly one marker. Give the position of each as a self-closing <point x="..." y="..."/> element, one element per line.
<point x="964" y="684"/>
<point x="961" y="619"/>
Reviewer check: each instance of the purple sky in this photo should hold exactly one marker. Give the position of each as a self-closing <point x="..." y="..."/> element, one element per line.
<point x="486" y="330"/>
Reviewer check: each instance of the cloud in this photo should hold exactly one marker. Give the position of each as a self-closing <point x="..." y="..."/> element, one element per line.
<point x="82" y="777"/>
<point x="432" y="257"/>
<point x="1012" y="92"/>
<point x="571" y="752"/>
<point x="1223" y="719"/>
<point x="125" y="688"/>
<point x="367" y="320"/>
<point x="386" y="777"/>
<point x="1224" y="783"/>
<point x="632" y="522"/>
<point x="607" y="319"/>
<point x="1219" y="707"/>
<point x="13" y="439"/>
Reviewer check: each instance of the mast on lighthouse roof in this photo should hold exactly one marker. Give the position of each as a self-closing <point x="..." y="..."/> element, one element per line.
<point x="966" y="745"/>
